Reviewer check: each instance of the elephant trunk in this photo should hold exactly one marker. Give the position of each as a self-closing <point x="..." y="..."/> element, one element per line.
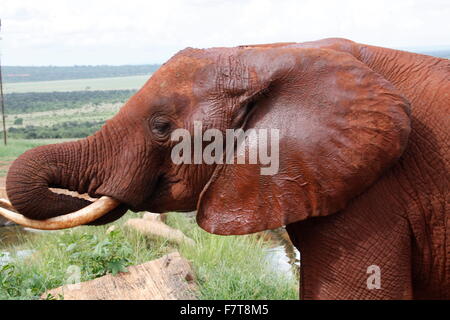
<point x="74" y="166"/>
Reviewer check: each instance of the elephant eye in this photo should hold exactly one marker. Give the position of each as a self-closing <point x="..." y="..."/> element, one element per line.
<point x="160" y="127"/>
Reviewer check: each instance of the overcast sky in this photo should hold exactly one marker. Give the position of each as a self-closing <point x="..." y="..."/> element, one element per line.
<point x="68" y="32"/>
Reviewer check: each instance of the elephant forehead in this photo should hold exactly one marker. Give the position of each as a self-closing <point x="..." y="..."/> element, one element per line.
<point x="143" y="104"/>
<point x="179" y="72"/>
<point x="173" y="85"/>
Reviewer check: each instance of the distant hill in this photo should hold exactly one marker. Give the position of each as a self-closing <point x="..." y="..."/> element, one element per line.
<point x="438" y="53"/>
<point x="26" y="74"/>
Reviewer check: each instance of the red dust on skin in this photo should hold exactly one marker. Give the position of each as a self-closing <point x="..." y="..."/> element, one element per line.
<point x="363" y="157"/>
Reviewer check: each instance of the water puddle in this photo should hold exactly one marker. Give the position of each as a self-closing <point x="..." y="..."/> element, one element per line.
<point x="282" y="256"/>
<point x="11" y="236"/>
<point x="6" y="256"/>
<point x="281" y="263"/>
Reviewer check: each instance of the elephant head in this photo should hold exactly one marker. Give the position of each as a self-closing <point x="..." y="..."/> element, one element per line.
<point x="340" y="126"/>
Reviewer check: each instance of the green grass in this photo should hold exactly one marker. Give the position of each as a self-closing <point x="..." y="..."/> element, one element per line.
<point x="16" y="147"/>
<point x="113" y="83"/>
<point x="230" y="267"/>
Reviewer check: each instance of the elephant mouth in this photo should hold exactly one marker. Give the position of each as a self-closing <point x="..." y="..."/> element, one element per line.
<point x="88" y="214"/>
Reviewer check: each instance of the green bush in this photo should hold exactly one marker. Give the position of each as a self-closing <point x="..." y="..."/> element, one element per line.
<point x="18" y="121"/>
<point x="28" y="102"/>
<point x="63" y="130"/>
<point x="99" y="256"/>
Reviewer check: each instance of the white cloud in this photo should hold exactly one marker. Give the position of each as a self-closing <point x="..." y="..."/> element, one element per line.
<point x="137" y="31"/>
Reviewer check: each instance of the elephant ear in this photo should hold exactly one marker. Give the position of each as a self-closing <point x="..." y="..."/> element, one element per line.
<point x="340" y="125"/>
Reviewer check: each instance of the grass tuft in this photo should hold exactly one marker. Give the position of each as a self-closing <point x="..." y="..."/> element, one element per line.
<point x="232" y="267"/>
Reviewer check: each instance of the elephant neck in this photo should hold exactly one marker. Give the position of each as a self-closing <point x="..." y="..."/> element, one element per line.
<point x="411" y="73"/>
<point x="358" y="253"/>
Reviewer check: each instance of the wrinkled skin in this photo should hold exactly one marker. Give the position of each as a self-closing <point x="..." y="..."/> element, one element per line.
<point x="363" y="176"/>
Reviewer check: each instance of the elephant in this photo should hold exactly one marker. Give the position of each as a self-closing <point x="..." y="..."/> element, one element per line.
<point x="362" y="181"/>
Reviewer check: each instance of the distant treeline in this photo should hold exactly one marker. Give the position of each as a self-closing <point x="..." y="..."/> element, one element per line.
<point x="69" y="129"/>
<point x="25" y="74"/>
<point x="44" y="101"/>
<point x="438" y="53"/>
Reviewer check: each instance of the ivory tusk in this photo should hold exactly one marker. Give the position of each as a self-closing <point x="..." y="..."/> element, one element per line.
<point x="88" y="214"/>
<point x="7" y="205"/>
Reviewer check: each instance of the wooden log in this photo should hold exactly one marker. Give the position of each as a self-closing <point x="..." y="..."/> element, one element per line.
<point x="153" y="227"/>
<point x="168" y="278"/>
